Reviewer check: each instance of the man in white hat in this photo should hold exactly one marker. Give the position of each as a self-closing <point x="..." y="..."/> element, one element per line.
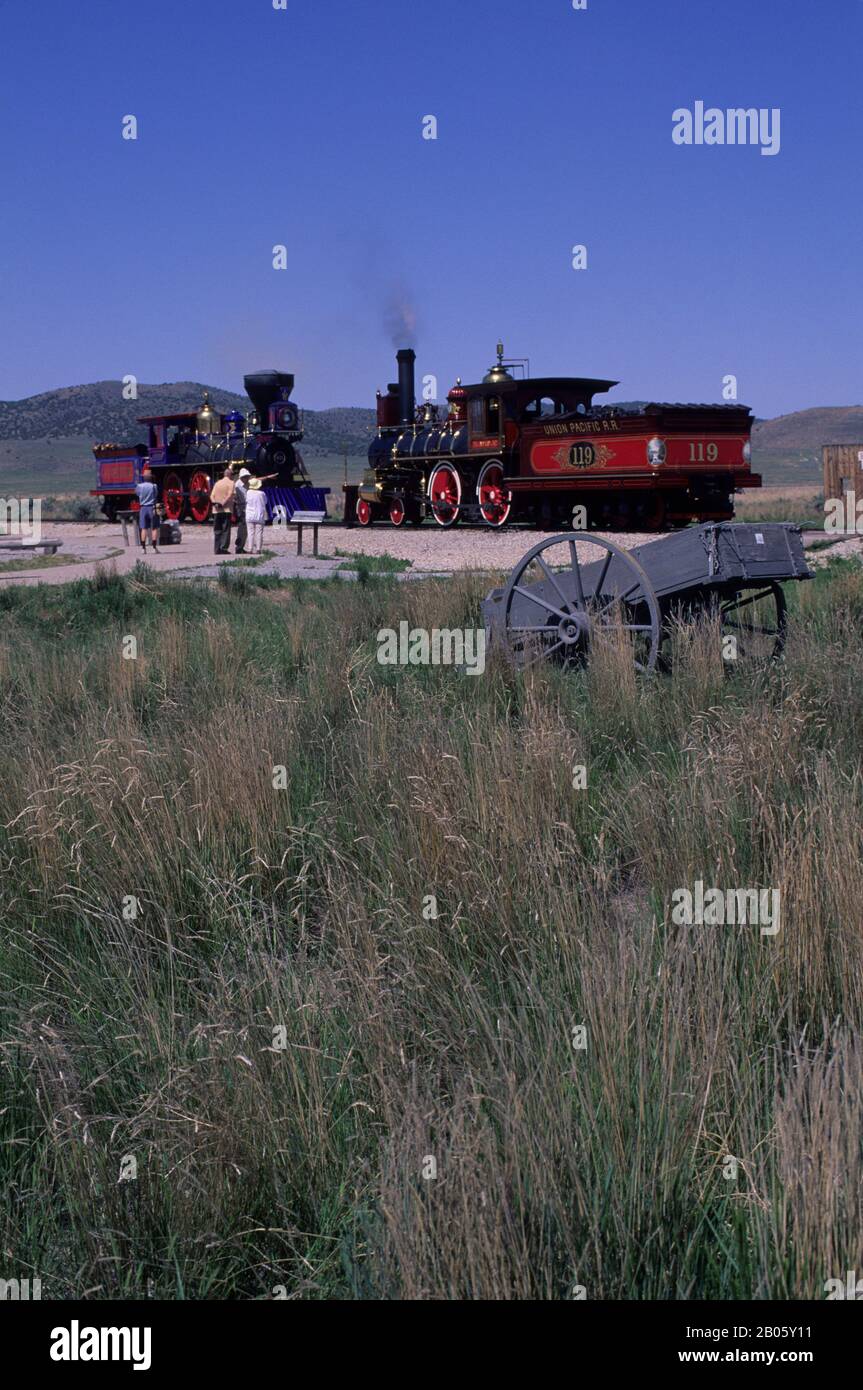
<point x="240" y="511"/>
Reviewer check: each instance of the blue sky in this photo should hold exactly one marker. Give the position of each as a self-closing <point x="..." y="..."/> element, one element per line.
<point x="304" y="127"/>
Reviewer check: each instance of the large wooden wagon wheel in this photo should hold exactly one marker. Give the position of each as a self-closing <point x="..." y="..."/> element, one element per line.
<point x="758" y="620"/>
<point x="558" y="604"/>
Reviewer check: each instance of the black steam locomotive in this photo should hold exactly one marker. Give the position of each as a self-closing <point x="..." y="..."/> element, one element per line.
<point x="539" y="449"/>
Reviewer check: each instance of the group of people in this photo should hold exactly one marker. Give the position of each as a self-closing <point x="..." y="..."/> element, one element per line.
<point x="239" y="498"/>
<point x="236" y="498"/>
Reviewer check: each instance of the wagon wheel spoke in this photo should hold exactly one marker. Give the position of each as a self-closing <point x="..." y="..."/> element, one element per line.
<point x="753" y="631"/>
<point x="618" y="614"/>
<point x="602" y="573"/>
<point x="576" y="569"/>
<point x="609" y="625"/>
<point x="544" y="654"/>
<point x="535" y="598"/>
<point x="620" y="598"/>
<point x="553" y="582"/>
<point x="734" y="605"/>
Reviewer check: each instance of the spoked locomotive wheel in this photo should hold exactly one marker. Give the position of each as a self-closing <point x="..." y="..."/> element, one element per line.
<point x="758" y="620"/>
<point x="495" y="503"/>
<point x="568" y="594"/>
<point x="444" y="493"/>
<point x="172" y="497"/>
<point x="397" y="512"/>
<point x="363" y="512"/>
<point x="199" y="495"/>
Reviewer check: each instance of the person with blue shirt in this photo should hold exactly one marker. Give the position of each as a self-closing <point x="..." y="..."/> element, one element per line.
<point x="148" y="495"/>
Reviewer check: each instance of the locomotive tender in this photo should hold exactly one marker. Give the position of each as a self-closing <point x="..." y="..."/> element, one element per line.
<point x="189" y="452"/>
<point x="536" y="448"/>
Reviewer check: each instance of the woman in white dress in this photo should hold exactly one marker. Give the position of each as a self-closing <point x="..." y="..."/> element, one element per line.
<point x="256" y="515"/>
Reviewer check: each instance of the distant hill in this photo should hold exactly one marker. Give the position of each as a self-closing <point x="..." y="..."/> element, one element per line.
<point x="788" y="448"/>
<point x="50" y="435"/>
<point x="97" y="412"/>
<point x="809" y="429"/>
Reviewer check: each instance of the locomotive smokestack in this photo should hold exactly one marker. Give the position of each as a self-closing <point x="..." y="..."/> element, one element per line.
<point x="407" y="389"/>
<point x="265" y="388"/>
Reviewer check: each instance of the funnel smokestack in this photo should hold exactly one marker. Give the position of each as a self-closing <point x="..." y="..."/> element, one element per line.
<point x="407" y="389"/>
<point x="265" y="388"/>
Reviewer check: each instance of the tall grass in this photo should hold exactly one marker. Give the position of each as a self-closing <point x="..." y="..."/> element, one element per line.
<point x="802" y="505"/>
<point x="332" y="1024"/>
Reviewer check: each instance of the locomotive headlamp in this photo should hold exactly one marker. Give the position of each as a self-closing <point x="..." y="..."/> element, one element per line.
<point x="656" y="452"/>
<point x="747" y="452"/>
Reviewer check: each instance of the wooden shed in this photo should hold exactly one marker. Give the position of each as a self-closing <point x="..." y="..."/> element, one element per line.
<point x="843" y="469"/>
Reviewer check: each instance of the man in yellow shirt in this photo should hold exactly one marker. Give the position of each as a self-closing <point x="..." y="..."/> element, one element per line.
<point x="222" y="498"/>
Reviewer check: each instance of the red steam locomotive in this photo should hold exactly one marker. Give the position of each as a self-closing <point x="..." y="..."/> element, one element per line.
<point x="538" y="449"/>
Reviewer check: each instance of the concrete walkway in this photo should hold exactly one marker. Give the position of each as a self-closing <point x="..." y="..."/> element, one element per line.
<point x="431" y="552"/>
<point x="90" y="545"/>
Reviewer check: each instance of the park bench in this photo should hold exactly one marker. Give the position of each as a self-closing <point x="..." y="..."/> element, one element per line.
<point x="303" y="519"/>
<point x="49" y="547"/>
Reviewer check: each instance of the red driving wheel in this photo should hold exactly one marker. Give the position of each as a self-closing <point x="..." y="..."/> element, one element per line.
<point x="444" y="491"/>
<point x="495" y="503"/>
<point x="172" y="497"/>
<point x="199" y="495"/>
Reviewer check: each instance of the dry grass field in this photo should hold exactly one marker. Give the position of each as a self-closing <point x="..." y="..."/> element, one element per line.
<point x="802" y="503"/>
<point x="322" y="1036"/>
